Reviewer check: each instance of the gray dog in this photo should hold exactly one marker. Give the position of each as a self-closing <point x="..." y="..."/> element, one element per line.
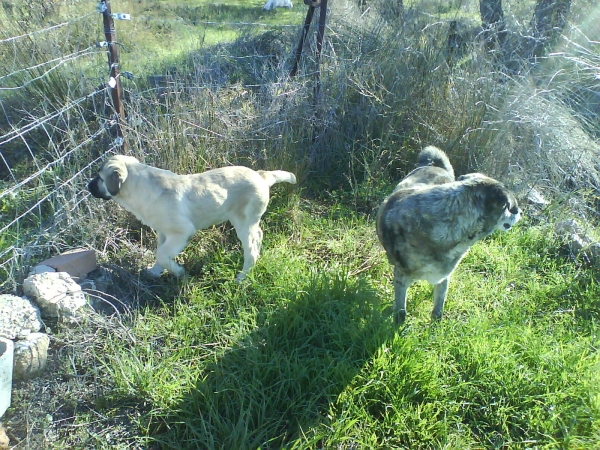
<point x="431" y="220"/>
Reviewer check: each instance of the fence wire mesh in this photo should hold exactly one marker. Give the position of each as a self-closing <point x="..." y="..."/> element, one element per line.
<point x="57" y="123"/>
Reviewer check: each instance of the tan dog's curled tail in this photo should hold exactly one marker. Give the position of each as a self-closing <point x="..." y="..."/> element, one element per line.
<point x="277" y="176"/>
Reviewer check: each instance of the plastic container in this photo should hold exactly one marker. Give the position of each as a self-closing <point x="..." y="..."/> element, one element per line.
<point x="6" y="370"/>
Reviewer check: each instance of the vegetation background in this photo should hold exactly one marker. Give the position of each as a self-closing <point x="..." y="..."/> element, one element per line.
<point x="304" y="355"/>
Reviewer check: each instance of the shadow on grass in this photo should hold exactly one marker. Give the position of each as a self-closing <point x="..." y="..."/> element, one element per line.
<point x="280" y="379"/>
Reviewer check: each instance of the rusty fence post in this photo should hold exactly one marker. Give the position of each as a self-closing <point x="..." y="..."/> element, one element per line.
<point x="114" y="81"/>
<point x="305" y="28"/>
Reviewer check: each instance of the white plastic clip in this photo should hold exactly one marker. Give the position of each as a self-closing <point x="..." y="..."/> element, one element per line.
<point x="102" y="44"/>
<point x="112" y="82"/>
<point x="121" y="16"/>
<point x="101" y="8"/>
<point x="119" y="141"/>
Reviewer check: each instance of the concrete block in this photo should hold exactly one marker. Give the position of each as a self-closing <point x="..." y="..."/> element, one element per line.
<point x="77" y="263"/>
<point x="6" y="370"/>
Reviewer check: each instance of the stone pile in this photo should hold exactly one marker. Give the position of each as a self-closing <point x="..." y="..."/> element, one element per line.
<point x="50" y="294"/>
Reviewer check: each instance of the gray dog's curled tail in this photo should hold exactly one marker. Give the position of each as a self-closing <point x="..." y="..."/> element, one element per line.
<point x="277" y="176"/>
<point x="433" y="156"/>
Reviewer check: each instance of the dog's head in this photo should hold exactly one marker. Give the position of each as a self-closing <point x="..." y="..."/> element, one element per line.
<point x="499" y="204"/>
<point x="111" y="176"/>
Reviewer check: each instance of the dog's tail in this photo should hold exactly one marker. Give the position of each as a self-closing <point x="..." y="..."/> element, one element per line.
<point x="277" y="176"/>
<point x="433" y="156"/>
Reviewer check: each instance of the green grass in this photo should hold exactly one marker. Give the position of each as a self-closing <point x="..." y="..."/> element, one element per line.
<point x="165" y="31"/>
<point x="304" y="354"/>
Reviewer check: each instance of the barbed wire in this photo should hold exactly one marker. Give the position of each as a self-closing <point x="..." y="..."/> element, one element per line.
<point x="8" y="137"/>
<point x="62" y="60"/>
<point x="46" y="30"/>
<point x="51" y="164"/>
<point x="46" y="197"/>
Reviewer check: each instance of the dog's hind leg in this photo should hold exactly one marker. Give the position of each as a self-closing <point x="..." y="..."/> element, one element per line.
<point x="439" y="297"/>
<point x="400" y="288"/>
<point x="251" y="237"/>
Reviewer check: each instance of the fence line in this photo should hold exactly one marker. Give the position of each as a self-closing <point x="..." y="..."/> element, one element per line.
<point x="19" y="252"/>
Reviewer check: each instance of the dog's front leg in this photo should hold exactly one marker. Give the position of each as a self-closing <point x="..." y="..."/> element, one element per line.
<point x="166" y="252"/>
<point x="400" y="289"/>
<point x="439" y="297"/>
<point x="158" y="269"/>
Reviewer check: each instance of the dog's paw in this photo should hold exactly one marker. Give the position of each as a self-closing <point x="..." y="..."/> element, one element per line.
<point x="399" y="317"/>
<point x="156" y="270"/>
<point x="240" y="277"/>
<point x="178" y="271"/>
<point x="155" y="273"/>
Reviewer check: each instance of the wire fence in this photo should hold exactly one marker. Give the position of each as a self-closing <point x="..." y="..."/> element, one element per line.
<point x="53" y="134"/>
<point x="40" y="187"/>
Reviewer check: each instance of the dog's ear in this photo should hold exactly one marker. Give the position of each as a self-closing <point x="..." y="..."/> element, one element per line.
<point x="114" y="180"/>
<point x="499" y="198"/>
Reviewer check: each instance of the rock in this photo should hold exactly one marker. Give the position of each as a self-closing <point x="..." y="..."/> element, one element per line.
<point x="30" y="356"/>
<point x="565" y="228"/>
<point x="577" y="242"/>
<point x="56" y="293"/>
<point x="594" y="250"/>
<point x="41" y="269"/>
<point x="4" y="441"/>
<point x="18" y="317"/>
<point x="534" y="197"/>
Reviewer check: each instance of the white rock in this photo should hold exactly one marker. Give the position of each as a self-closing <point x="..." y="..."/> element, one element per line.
<point x="565" y="228"/>
<point x="535" y="197"/>
<point x="18" y="317"/>
<point x="56" y="293"/>
<point x="41" y="269"/>
<point x="576" y="243"/>
<point x="4" y="441"/>
<point x="31" y="355"/>
<point x="272" y="4"/>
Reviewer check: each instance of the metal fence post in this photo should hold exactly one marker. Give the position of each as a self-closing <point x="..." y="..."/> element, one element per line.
<point x="114" y="82"/>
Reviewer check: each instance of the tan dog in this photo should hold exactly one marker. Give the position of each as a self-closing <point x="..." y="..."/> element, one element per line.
<point x="175" y="206"/>
<point x="431" y="220"/>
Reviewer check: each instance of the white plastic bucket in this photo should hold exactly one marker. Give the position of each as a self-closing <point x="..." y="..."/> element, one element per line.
<point x="6" y="370"/>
